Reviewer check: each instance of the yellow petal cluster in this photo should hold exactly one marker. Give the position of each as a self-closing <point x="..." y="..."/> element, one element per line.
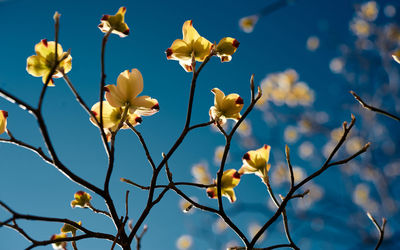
<point x="247" y="23"/>
<point x="67" y="228"/>
<point x="230" y="179"/>
<point x="226" y="47"/>
<point x="225" y="107"/>
<point x="116" y="23"/>
<point x="3" y="121"/>
<point x="284" y="88"/>
<point x="256" y="162"/>
<point x="112" y="116"/>
<point x="201" y="174"/>
<point x="59" y="245"/>
<point x="360" y="27"/>
<point x="40" y="65"/>
<point x="125" y="94"/>
<point x="122" y="96"/>
<point x="368" y="11"/>
<point x="192" y="45"/>
<point x="82" y="199"/>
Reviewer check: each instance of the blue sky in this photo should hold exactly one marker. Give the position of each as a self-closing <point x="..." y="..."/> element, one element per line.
<point x="28" y="185"/>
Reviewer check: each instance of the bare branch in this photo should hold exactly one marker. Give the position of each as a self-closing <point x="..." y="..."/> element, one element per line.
<point x="144" y="145"/>
<point x="374" y="109"/>
<point x="287" y="152"/>
<point x="87" y="109"/>
<point x="381" y="229"/>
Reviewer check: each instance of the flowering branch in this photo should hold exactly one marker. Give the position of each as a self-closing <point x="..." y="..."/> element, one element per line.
<point x="325" y="166"/>
<point x="17" y="216"/>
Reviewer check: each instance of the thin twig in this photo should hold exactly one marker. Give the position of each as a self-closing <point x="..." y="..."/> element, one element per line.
<point x="98" y="211"/>
<point x="144" y="145"/>
<point x="287" y="152"/>
<point x="200" y="185"/>
<point x="374" y="109"/>
<point x="221" y="129"/>
<point x="183" y="134"/>
<point x="228" y="138"/>
<point x="325" y="166"/>
<point x="284" y="216"/>
<point x="87" y="109"/>
<point x="381" y="229"/>
<point x="55" y="65"/>
<point x="17" y="216"/>
<point x="103" y="74"/>
<point x="54" y="159"/>
<point x="139" y="238"/>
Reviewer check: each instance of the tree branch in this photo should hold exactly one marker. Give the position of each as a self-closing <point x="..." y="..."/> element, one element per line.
<point x="374" y="109"/>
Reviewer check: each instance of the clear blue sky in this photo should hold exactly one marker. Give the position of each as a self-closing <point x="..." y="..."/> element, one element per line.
<point x="28" y="185"/>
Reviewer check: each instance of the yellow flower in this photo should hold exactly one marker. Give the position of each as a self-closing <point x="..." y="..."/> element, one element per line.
<point x="67" y="228"/>
<point x="230" y="179"/>
<point x="225" y="107"/>
<point x="247" y="23"/>
<point x="82" y="199"/>
<point x="360" y="27"/>
<point x="112" y="116"/>
<point x="116" y="22"/>
<point x="125" y="94"/>
<point x="3" y="121"/>
<point x="201" y="174"/>
<point x="312" y="43"/>
<point x="256" y="161"/>
<point x="396" y="56"/>
<point x="184" y="242"/>
<point x="41" y="63"/>
<point x="291" y="135"/>
<point x="336" y="65"/>
<point x="192" y="43"/>
<point x="369" y="11"/>
<point x="59" y="245"/>
<point x="226" y="47"/>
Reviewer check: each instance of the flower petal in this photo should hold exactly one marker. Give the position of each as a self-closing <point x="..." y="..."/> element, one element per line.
<point x="226" y="47"/>
<point x="46" y="50"/>
<point x="134" y="120"/>
<point x="230" y="193"/>
<point x="114" y="97"/>
<point x="190" y="34"/>
<point x="219" y="97"/>
<point x="179" y="50"/>
<point x="201" y="48"/>
<point x="145" y="106"/>
<point x="186" y="65"/>
<point x="256" y="160"/>
<point x="232" y="105"/>
<point x="66" y="64"/>
<point x="82" y="199"/>
<point x="111" y="115"/>
<point x="247" y="23"/>
<point x="3" y="121"/>
<point x="230" y="178"/>
<point x="130" y="84"/>
<point x="36" y="66"/>
<point x="116" y="22"/>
